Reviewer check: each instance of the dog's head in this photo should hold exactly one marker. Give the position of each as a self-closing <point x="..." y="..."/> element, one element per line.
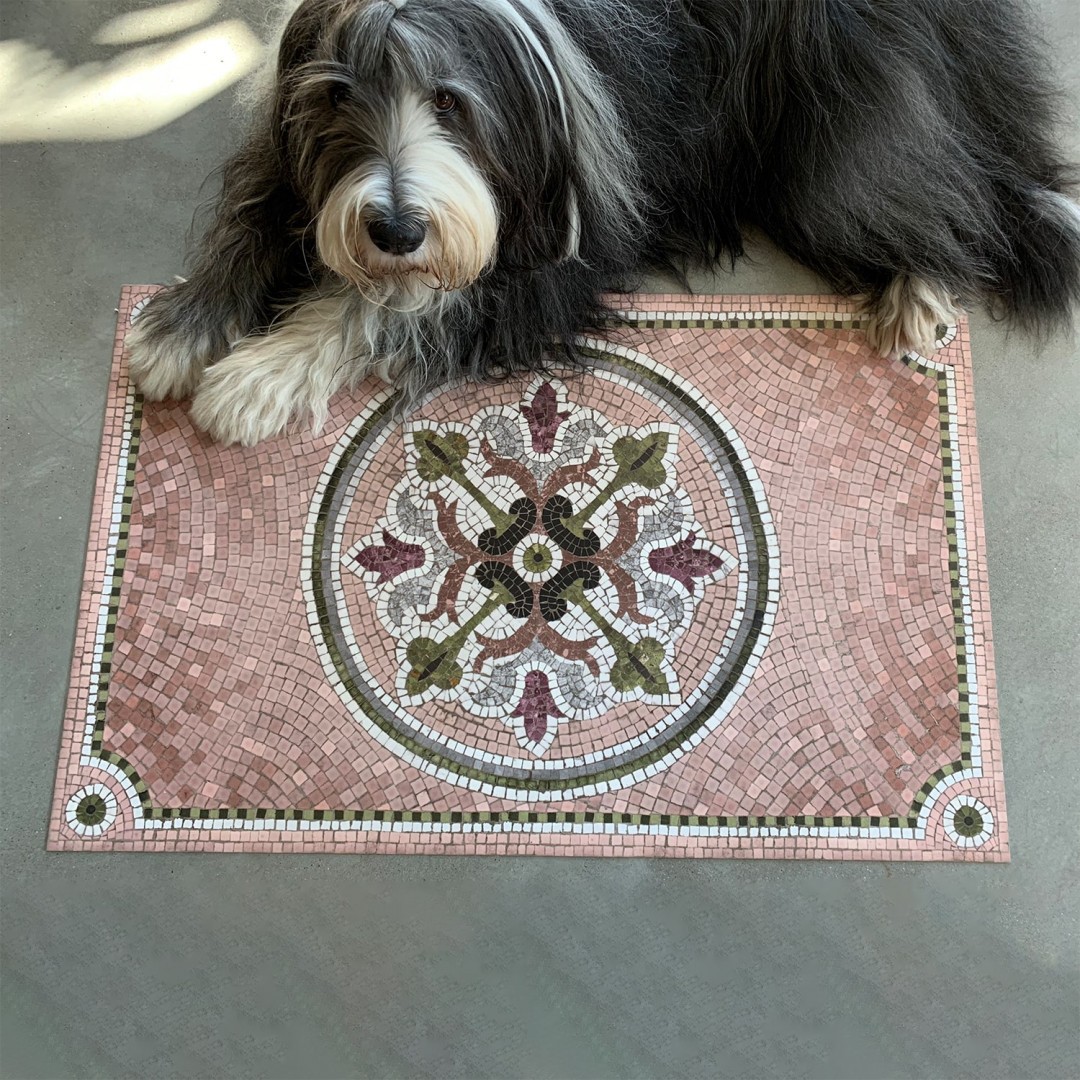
<point x="430" y="137"/>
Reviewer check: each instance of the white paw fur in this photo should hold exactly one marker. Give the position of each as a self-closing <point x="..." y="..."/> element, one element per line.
<point x="270" y="379"/>
<point x="907" y="317"/>
<point x="165" y="365"/>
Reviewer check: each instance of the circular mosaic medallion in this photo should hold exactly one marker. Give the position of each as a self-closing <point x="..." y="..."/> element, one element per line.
<point x="543" y="589"/>
<point x="968" y="821"/>
<point x="91" y="810"/>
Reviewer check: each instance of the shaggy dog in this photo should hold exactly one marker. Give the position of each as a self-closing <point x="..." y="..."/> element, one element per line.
<point x="438" y="190"/>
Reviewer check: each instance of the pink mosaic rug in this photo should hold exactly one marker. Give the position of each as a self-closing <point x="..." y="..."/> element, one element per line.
<point x="723" y="596"/>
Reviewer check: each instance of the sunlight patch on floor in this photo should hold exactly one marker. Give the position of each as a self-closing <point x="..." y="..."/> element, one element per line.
<point x="139" y="91"/>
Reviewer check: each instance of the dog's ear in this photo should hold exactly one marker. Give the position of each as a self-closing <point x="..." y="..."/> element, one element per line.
<point x="259" y="207"/>
<point x="301" y="36"/>
<point x="576" y="188"/>
<point x="539" y="207"/>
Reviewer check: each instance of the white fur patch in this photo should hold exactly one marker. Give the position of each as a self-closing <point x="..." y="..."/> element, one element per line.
<point x="165" y="366"/>
<point x="270" y="379"/>
<point x="1062" y="208"/>
<point x="588" y="115"/>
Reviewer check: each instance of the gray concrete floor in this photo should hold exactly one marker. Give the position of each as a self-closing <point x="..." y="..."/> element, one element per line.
<point x="237" y="966"/>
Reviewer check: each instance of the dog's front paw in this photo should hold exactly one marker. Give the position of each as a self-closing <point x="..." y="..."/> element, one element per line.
<point x="239" y="400"/>
<point x="909" y="317"/>
<point x="166" y="356"/>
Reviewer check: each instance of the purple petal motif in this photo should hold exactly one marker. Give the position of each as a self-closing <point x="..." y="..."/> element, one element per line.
<point x="684" y="562"/>
<point x="392" y="558"/>
<point x="544" y="418"/>
<point x="536" y="706"/>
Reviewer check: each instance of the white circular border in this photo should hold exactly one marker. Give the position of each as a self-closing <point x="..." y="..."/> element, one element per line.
<point x="106" y="823"/>
<point x="524" y="794"/>
<point x="984" y="812"/>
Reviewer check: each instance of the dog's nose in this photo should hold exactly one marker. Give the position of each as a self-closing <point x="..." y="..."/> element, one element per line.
<point x="397" y="235"/>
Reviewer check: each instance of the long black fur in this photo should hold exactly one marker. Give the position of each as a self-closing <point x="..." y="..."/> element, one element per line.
<point x="867" y="138"/>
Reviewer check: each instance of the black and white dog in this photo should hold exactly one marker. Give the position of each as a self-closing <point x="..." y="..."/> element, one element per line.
<point x="444" y="189"/>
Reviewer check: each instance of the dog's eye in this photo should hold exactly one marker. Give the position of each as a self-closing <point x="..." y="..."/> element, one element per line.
<point x="445" y="102"/>
<point x="337" y="93"/>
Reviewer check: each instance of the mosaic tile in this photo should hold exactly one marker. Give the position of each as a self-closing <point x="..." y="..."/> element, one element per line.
<point x="723" y="595"/>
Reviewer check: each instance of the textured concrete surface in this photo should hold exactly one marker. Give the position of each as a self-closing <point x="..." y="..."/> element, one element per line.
<point x="239" y="966"/>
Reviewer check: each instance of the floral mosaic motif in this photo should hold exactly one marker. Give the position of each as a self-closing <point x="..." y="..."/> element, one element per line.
<point x="685" y="562"/>
<point x="544" y="417"/>
<point x="539" y="564"/>
<point x="537" y="712"/>
<point x="390" y="558"/>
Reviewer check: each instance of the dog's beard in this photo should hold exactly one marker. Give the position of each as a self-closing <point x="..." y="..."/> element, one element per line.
<point x="422" y="174"/>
